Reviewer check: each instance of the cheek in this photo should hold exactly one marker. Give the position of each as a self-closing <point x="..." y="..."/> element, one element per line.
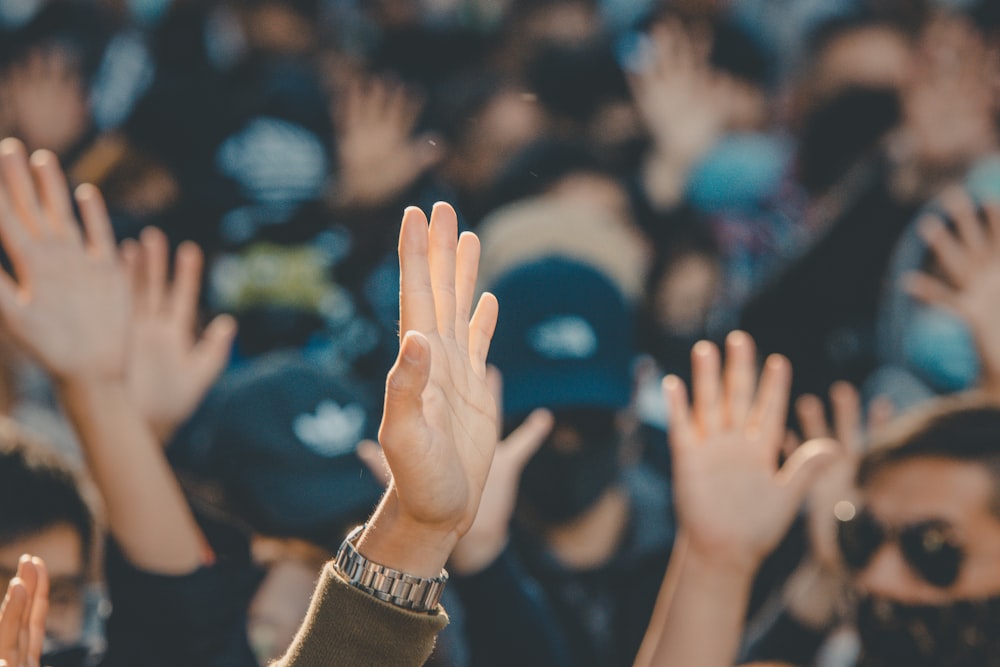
<point x="64" y="623"/>
<point x="278" y="608"/>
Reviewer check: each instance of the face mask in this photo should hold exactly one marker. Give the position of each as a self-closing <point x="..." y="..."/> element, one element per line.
<point x="938" y="347"/>
<point x="740" y="172"/>
<point x="557" y="487"/>
<point x="962" y="634"/>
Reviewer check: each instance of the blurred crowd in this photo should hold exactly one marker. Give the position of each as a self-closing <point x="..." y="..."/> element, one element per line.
<point x="642" y="175"/>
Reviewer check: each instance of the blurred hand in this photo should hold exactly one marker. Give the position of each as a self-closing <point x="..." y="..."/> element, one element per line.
<point x="170" y="367"/>
<point x="489" y="533"/>
<point x="438" y="429"/>
<point x="678" y="96"/>
<point x="23" y="615"/>
<point x="968" y="257"/>
<point x="948" y="111"/>
<point x="69" y="305"/>
<point x="48" y="103"/>
<point x="733" y="502"/>
<point x="379" y="157"/>
<point x="836" y="483"/>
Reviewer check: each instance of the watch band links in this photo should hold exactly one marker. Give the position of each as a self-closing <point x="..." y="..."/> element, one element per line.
<point x="398" y="588"/>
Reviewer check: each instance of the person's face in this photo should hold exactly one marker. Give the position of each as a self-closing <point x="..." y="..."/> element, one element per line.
<point x="61" y="547"/>
<point x="873" y="57"/>
<point x="956" y="493"/>
<point x="282" y="600"/>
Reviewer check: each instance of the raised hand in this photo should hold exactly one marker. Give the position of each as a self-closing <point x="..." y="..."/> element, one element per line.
<point x="438" y="429"/>
<point x="170" y="367"/>
<point x="69" y="304"/>
<point x="681" y="103"/>
<point x="379" y="158"/>
<point x="734" y="504"/>
<point x="490" y="531"/>
<point x="836" y="483"/>
<point x="967" y="255"/>
<point x="23" y="615"/>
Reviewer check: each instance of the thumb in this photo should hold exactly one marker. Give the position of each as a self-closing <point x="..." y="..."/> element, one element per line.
<point x="805" y="465"/>
<point x="525" y="440"/>
<point x="402" y="418"/>
<point x="212" y="351"/>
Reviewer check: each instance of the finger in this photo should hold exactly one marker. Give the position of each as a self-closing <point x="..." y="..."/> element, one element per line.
<point x="39" y="614"/>
<point x="929" y="290"/>
<point x="880" y="412"/>
<point x="443" y="239"/>
<point x="466" y="271"/>
<point x="494" y="382"/>
<point x="154" y="256"/>
<point x="740" y="378"/>
<point x="53" y="192"/>
<point x="20" y="187"/>
<point x="804" y="467"/>
<point x="11" y="615"/>
<point x="27" y="573"/>
<point x="403" y="420"/>
<point x="770" y="412"/>
<point x="948" y="253"/>
<point x="131" y="255"/>
<point x="481" y="330"/>
<point x="962" y="211"/>
<point x="96" y="221"/>
<point x="846" y="404"/>
<point x="186" y="287"/>
<point x="416" y="296"/>
<point x="681" y="429"/>
<point x="213" y="349"/>
<point x="371" y="455"/>
<point x="524" y="441"/>
<point x="705" y="387"/>
<point x="15" y="236"/>
<point x="812" y="417"/>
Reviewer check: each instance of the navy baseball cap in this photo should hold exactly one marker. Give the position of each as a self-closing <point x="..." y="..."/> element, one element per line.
<point x="564" y="338"/>
<point x="279" y="436"/>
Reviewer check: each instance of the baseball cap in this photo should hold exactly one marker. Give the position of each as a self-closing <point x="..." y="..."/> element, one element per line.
<point x="563" y="339"/>
<point x="279" y="436"/>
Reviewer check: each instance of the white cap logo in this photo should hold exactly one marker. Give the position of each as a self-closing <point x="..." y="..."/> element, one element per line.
<point x="333" y="430"/>
<point x="563" y="338"/>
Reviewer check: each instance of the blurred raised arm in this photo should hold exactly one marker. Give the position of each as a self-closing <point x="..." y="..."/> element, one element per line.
<point x="734" y="503"/>
<point x="68" y="306"/>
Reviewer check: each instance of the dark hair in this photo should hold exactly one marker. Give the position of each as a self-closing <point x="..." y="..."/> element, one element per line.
<point x="38" y="491"/>
<point x="963" y="428"/>
<point x="83" y="30"/>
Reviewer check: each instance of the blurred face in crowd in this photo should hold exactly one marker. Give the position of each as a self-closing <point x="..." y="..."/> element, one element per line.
<point x="877" y="57"/>
<point x="62" y="549"/>
<point x="283" y="597"/>
<point x="45" y="100"/>
<point x="574" y="467"/>
<point x="960" y="499"/>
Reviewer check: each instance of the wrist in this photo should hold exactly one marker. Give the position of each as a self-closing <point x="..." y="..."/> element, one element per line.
<point x="730" y="566"/>
<point x="397" y="541"/>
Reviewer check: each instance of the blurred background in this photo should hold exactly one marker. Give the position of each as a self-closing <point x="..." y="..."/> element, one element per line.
<point x="743" y="163"/>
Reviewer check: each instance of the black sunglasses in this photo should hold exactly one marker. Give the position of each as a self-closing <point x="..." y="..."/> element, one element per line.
<point x="926" y="546"/>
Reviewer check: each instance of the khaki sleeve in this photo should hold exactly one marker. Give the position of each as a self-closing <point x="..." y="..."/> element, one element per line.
<point x="346" y="626"/>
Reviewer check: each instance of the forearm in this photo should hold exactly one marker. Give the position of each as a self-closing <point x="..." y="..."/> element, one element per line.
<point x="663" y="179"/>
<point x="148" y="514"/>
<point x="699" y="616"/>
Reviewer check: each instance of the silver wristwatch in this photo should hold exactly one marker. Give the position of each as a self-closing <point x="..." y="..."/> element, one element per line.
<point x="392" y="586"/>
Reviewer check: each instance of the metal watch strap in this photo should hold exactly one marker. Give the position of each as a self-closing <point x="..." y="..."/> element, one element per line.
<point x="392" y="586"/>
